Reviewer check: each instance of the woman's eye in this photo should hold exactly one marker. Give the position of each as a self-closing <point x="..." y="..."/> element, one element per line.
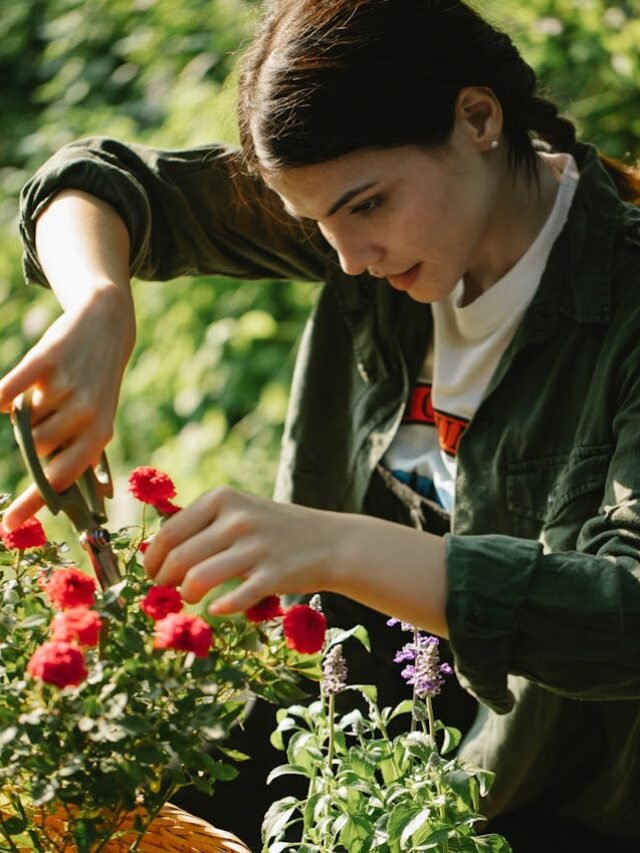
<point x="367" y="206"/>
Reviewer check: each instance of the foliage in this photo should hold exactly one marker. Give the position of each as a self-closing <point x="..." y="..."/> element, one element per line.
<point x="369" y="790"/>
<point x="209" y="379"/>
<point x="145" y="720"/>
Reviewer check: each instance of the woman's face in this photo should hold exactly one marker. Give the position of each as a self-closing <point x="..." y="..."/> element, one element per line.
<point x="421" y="218"/>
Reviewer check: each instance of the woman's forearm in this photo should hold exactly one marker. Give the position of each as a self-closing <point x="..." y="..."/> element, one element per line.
<point x="83" y="248"/>
<point x="76" y="368"/>
<point x="394" y="569"/>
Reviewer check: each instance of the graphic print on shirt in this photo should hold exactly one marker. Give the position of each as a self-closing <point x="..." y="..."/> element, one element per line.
<point x="420" y="410"/>
<point x="423" y="454"/>
<point x="469" y="339"/>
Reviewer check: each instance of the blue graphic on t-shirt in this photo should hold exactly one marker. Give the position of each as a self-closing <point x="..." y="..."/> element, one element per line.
<point x="419" y="483"/>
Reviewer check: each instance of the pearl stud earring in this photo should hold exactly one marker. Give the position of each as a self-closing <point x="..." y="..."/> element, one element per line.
<point x="495" y="143"/>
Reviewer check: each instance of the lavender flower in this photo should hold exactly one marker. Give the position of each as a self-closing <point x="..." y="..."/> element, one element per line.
<point x="405" y="626"/>
<point x="334" y="672"/>
<point x="426" y="674"/>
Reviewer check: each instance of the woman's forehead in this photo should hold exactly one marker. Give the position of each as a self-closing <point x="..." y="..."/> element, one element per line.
<point x="316" y="191"/>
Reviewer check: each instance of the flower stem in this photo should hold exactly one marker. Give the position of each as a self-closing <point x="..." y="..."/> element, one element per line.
<point x="6" y="836"/>
<point x="432" y="722"/>
<point x="332" y="723"/>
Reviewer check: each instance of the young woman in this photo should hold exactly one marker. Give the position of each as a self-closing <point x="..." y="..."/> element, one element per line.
<point x="471" y="370"/>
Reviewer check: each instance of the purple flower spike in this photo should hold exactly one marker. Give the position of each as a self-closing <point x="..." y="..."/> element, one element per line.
<point x="426" y="674"/>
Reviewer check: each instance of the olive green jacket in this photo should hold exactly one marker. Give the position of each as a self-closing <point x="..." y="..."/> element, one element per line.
<point x="543" y="570"/>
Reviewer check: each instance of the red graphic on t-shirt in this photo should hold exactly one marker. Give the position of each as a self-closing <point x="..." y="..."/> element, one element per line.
<point x="419" y="410"/>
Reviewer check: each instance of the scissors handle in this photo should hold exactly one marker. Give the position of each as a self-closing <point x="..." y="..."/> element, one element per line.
<point x="82" y="502"/>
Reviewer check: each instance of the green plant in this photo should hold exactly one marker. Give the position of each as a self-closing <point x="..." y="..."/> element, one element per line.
<point x="111" y="700"/>
<point x="370" y="790"/>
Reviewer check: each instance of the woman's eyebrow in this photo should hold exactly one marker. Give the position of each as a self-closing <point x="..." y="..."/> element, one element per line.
<point x="346" y="197"/>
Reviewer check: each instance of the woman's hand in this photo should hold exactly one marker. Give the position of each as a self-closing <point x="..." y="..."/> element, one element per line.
<point x="277" y="548"/>
<point x="75" y="371"/>
<point x="227" y="534"/>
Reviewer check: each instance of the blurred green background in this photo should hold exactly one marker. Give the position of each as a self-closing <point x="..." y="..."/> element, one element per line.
<point x="205" y="395"/>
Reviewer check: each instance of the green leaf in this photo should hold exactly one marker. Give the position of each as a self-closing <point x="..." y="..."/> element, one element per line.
<point x="369" y="691"/>
<point x="224" y="772"/>
<point x="413" y="827"/>
<point x="404" y="707"/>
<point x="354" y="833"/>
<point x="400" y="817"/>
<point x="278" y="816"/>
<point x="451" y="737"/>
<point x="288" y="770"/>
<point x="492" y="844"/>
<point x="462" y="784"/>
<point x="233" y="754"/>
<point x="336" y="636"/>
<point x="14" y="825"/>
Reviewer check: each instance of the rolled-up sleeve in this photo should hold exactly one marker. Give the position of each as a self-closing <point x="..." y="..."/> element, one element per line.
<point x="188" y="212"/>
<point x="569" y="621"/>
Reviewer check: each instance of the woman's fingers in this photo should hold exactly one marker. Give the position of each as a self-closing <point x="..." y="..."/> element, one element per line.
<point x="23" y="376"/>
<point x="225" y="534"/>
<point x="186" y="538"/>
<point x="63" y="470"/>
<point x="22" y="508"/>
<point x="246" y="595"/>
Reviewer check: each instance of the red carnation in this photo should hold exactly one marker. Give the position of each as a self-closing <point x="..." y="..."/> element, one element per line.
<point x="265" y="610"/>
<point x="30" y="534"/>
<point x="160" y="601"/>
<point x="58" y="663"/>
<point x="78" y="624"/>
<point x="304" y="628"/>
<point x="70" y="588"/>
<point x="184" y="632"/>
<point x="151" y="486"/>
<point x="167" y="508"/>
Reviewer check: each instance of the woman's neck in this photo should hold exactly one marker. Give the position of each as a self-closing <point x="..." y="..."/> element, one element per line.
<point x="522" y="207"/>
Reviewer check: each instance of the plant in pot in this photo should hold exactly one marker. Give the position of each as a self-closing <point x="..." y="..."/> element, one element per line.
<point x="112" y="699"/>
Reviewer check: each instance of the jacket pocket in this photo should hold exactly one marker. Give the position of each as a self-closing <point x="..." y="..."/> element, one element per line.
<point x="564" y="486"/>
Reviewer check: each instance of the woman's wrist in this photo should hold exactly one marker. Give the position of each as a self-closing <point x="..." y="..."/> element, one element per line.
<point x="391" y="568"/>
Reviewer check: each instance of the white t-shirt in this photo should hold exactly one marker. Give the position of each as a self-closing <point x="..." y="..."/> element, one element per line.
<point x="467" y="344"/>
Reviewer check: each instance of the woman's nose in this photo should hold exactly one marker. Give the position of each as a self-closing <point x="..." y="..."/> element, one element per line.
<point x="356" y="256"/>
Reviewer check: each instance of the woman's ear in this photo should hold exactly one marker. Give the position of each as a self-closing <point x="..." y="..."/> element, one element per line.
<point x="480" y="113"/>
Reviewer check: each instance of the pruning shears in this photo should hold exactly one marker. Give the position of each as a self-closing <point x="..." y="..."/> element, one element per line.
<point x="83" y="502"/>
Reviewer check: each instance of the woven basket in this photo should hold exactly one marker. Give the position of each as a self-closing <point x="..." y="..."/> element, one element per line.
<point x="172" y="831"/>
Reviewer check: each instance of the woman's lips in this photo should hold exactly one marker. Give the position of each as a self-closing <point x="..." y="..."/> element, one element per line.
<point x="405" y="280"/>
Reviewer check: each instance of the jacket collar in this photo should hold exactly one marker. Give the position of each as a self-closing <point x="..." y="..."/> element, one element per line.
<point x="578" y="279"/>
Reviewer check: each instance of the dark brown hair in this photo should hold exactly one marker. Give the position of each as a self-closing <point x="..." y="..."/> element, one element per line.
<point x="326" y="77"/>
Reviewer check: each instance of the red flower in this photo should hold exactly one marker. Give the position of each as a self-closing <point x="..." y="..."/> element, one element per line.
<point x="70" y="588"/>
<point x="304" y="628"/>
<point x="160" y="601"/>
<point x="142" y="547"/>
<point x="58" y="663"/>
<point x="167" y="508"/>
<point x="265" y="610"/>
<point x="30" y="534"/>
<point x="78" y="624"/>
<point x="151" y="486"/>
<point x="184" y="632"/>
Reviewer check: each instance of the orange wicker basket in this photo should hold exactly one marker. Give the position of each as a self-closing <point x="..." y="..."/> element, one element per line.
<point x="172" y="831"/>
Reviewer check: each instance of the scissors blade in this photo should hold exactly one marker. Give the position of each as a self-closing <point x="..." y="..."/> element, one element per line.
<point x="82" y="502"/>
